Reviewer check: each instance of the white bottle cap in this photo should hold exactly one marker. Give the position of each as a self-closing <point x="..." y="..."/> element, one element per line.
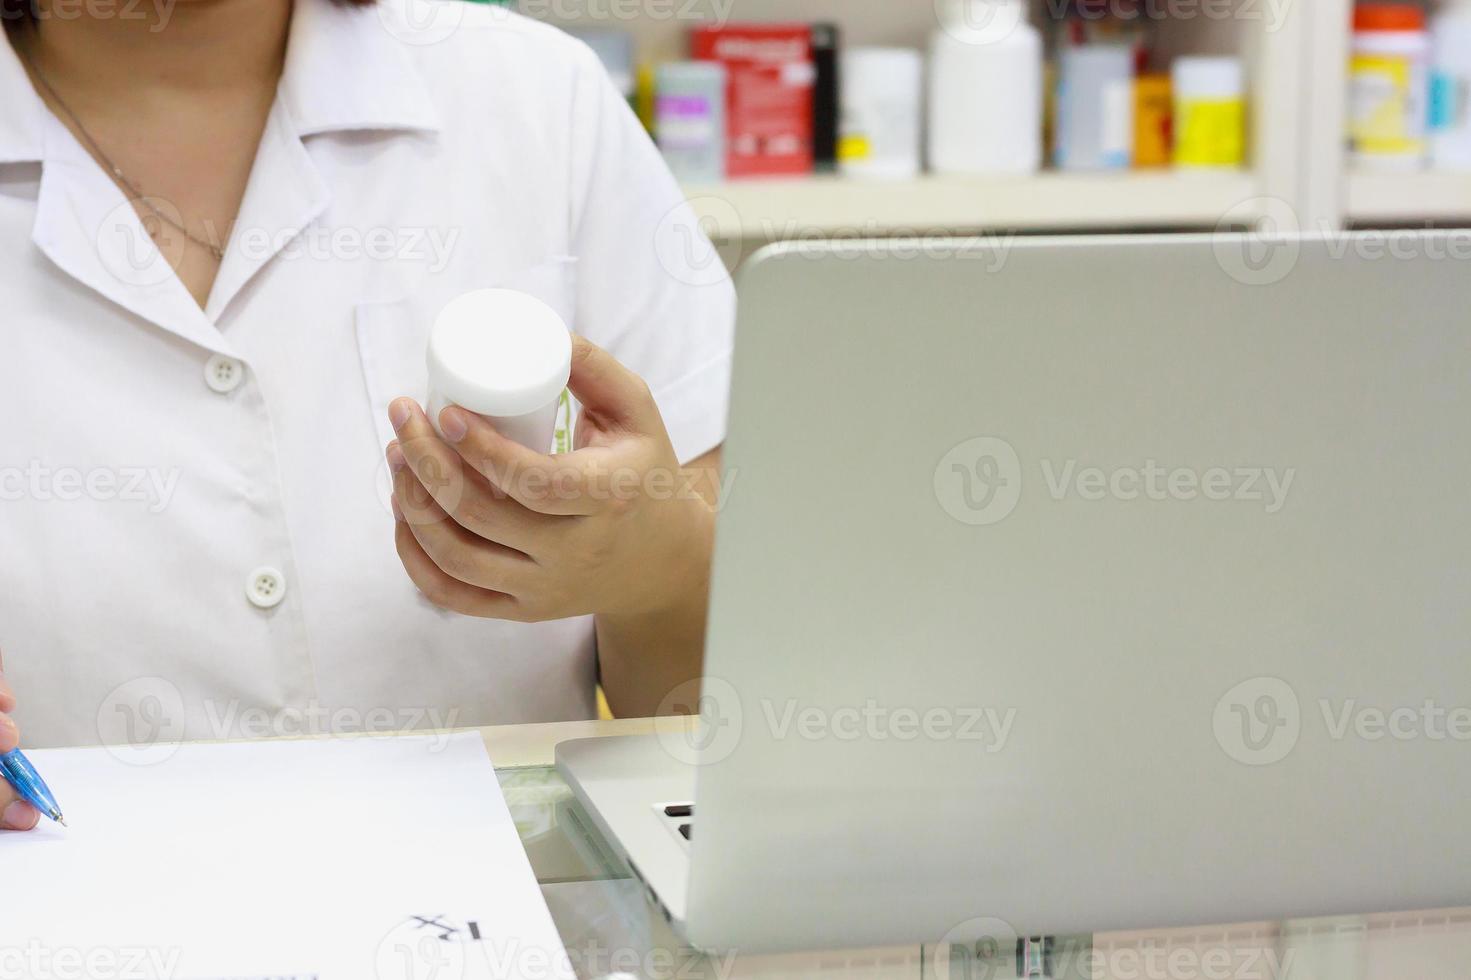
<point x="499" y="352"/>
<point x="1207" y="77"/>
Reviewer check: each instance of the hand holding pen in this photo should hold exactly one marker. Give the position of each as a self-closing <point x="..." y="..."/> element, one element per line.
<point x="22" y="791"/>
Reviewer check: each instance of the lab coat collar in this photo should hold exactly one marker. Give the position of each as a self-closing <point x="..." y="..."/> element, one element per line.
<point x="286" y="193"/>
<point x="21" y="109"/>
<point x="83" y="223"/>
<point x="346" y="70"/>
<point x="89" y="229"/>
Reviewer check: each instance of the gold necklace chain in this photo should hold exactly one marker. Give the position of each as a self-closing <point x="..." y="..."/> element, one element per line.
<point x="114" y="171"/>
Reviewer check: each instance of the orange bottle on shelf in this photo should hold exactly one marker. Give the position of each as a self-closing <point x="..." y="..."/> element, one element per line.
<point x="1153" y="121"/>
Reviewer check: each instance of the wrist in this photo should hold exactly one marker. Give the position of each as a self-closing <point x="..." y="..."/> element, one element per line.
<point x="652" y="643"/>
<point x="674" y="580"/>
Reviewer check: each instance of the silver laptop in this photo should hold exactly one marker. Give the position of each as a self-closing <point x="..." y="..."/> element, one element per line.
<point x="1075" y="585"/>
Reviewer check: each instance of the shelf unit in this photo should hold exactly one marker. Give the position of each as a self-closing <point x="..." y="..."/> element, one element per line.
<point x="769" y="210"/>
<point x="1296" y="55"/>
<point x="1405" y="198"/>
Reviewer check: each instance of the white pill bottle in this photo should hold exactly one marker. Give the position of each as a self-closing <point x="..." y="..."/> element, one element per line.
<point x="504" y="355"/>
<point x="1451" y="94"/>
<point x="985" y="89"/>
<point x="882" y="108"/>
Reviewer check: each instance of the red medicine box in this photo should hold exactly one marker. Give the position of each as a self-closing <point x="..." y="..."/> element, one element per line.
<point x="769" y="98"/>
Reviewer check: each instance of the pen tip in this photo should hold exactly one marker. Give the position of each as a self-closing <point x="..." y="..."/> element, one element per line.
<point x="61" y="820"/>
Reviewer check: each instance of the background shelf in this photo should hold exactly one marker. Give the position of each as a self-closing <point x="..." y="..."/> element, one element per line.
<point x="1408" y="197"/>
<point x="768" y="210"/>
<point x="1296" y="55"/>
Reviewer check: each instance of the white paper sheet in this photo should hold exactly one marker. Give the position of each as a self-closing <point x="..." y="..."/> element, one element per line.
<point x="345" y="859"/>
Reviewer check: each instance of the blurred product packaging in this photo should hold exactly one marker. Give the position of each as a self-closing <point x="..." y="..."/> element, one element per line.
<point x="1210" y="112"/>
<point x="1124" y="23"/>
<point x="1389" y="87"/>
<point x="689" y="119"/>
<point x="826" y="96"/>
<point x="1095" y="107"/>
<point x="769" y="95"/>
<point x="882" y="101"/>
<point x="1450" y="140"/>
<point x="985" y="89"/>
<point x="1153" y="121"/>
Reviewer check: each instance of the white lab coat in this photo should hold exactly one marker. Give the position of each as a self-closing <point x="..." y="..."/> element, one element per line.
<point x="194" y="533"/>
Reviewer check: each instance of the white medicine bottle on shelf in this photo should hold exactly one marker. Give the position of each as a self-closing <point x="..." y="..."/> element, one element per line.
<point x="985" y="114"/>
<point x="1450" y="142"/>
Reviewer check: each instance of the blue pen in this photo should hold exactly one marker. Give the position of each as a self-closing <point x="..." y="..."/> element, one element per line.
<point x="19" y="772"/>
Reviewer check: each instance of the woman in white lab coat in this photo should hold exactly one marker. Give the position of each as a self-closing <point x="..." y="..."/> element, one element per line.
<point x="226" y="227"/>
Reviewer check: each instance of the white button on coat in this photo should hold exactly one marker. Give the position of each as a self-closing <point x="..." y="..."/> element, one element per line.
<point x="265" y="588"/>
<point x="393" y="175"/>
<point x="223" y="374"/>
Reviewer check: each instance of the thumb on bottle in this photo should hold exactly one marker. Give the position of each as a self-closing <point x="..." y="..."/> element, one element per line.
<point x="608" y="391"/>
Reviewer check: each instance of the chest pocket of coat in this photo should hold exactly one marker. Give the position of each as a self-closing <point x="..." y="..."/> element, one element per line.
<point x="393" y="336"/>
